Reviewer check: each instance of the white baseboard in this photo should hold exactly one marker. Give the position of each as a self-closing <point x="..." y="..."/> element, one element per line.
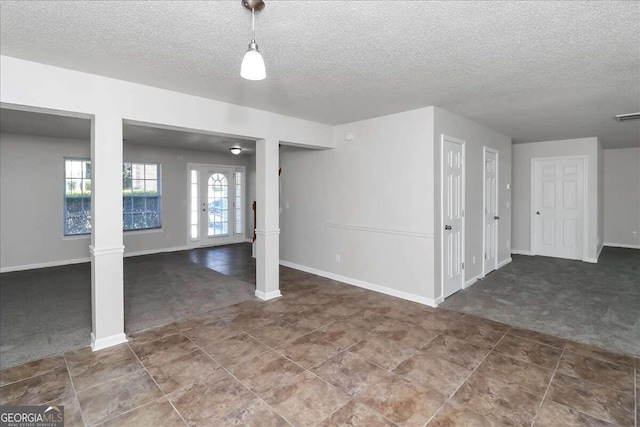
<point x="88" y="259"/>
<point x="472" y="281"/>
<point x="106" y="342"/>
<point x="44" y="265"/>
<point x="621" y="245"/>
<point x="267" y="296"/>
<point x="156" y="251"/>
<point x="520" y="252"/>
<point x="503" y="263"/>
<point x="365" y="285"/>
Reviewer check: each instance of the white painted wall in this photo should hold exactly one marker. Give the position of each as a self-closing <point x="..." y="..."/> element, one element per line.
<point x="476" y="137"/>
<point x="251" y="194"/>
<point x="31" y="202"/>
<point x="521" y="163"/>
<point x="368" y="201"/>
<point x="375" y="202"/>
<point x="622" y="197"/>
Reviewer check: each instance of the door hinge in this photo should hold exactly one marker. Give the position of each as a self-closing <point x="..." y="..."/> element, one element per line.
<point x="463" y="212"/>
<point x="463" y="265"/>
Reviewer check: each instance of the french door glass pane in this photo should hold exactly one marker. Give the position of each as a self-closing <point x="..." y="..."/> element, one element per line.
<point x="239" y="183"/>
<point x="218" y="205"/>
<point x="194" y="205"/>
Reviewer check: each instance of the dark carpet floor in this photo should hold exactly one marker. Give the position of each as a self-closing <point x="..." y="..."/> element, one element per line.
<point x="597" y="304"/>
<point x="48" y="311"/>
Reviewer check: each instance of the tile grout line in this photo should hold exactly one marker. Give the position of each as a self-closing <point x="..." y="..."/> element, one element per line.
<point x="544" y="396"/>
<point x="122" y="376"/>
<point x="467" y="378"/>
<point x="33" y="376"/>
<point x="275" y="349"/>
<point x="237" y="379"/>
<point x="351" y="398"/>
<point x="159" y="388"/>
<point x="73" y="387"/>
<point x="114" y="379"/>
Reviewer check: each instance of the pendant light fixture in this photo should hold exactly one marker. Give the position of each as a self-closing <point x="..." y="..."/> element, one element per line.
<point x="252" y="64"/>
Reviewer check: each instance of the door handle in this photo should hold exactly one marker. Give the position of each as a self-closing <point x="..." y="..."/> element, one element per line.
<point x="496" y="217"/>
<point x="538" y="213"/>
<point x="447" y="227"/>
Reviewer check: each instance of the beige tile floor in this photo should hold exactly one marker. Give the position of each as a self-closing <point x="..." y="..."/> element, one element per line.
<point x="330" y="354"/>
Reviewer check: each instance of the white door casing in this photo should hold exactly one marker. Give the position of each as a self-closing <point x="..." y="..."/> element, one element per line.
<point x="558" y="207"/>
<point x="215" y="202"/>
<point x="491" y="217"/>
<point x="452" y="214"/>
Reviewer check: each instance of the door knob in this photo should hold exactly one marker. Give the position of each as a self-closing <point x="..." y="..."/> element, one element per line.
<point x="496" y="217"/>
<point x="538" y="213"/>
<point x="447" y="227"/>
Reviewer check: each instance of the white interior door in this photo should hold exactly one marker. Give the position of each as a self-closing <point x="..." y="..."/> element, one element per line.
<point x="452" y="215"/>
<point x="558" y="207"/>
<point x="490" y="209"/>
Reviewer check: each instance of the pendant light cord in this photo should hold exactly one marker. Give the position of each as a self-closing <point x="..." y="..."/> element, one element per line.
<point x="253" y="25"/>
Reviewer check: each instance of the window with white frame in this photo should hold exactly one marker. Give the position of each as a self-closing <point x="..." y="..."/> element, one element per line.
<point x="140" y="196"/>
<point x="77" y="197"/>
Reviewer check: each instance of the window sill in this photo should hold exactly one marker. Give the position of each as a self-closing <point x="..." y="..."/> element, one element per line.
<point x="145" y="231"/>
<point x="125" y="233"/>
<point x="77" y="237"/>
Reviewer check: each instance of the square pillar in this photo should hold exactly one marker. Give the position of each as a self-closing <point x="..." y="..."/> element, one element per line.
<point x="268" y="219"/>
<point x="107" y="280"/>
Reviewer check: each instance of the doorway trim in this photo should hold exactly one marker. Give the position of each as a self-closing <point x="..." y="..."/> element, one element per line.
<point x="444" y="137"/>
<point x="585" y="202"/>
<point x="239" y="238"/>
<point x="486" y="150"/>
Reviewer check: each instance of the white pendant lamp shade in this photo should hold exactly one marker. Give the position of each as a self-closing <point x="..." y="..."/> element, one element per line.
<point x="252" y="67"/>
<point x="252" y="64"/>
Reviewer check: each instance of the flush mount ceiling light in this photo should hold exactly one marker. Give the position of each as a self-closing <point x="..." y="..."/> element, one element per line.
<point x="630" y="116"/>
<point x="235" y="150"/>
<point x="252" y="64"/>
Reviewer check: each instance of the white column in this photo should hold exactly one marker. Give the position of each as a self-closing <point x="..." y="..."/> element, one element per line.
<point x="268" y="219"/>
<point x="107" y="283"/>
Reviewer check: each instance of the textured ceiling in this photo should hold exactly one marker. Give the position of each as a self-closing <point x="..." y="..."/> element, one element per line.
<point x="51" y="125"/>
<point x="532" y="70"/>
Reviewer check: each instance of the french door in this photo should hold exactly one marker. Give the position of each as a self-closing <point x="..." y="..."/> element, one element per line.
<point x="490" y="210"/>
<point x="558" y="200"/>
<point x="217" y="203"/>
<point x="452" y="236"/>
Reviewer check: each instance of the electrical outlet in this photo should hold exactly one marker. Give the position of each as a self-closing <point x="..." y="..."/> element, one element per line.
<point x="287" y="205"/>
<point x="473" y="259"/>
<point x="337" y="258"/>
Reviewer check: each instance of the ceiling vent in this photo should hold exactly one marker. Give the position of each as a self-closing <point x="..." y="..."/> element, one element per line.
<point x="630" y="116"/>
